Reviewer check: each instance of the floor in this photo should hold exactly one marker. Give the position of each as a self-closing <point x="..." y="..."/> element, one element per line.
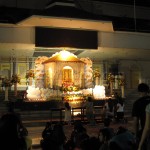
<point x="35" y="132"/>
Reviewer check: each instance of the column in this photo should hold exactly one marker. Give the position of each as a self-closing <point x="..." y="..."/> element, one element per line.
<point x="11" y="67"/>
<point x="111" y="88"/>
<point x="15" y="66"/>
<point x="6" y="93"/>
<point x="122" y="91"/>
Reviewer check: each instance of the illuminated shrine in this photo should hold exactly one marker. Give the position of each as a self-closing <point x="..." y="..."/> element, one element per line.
<point x="64" y="68"/>
<point x="63" y="75"/>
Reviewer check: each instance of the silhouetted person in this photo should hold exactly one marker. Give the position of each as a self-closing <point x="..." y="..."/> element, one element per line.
<point x="56" y="140"/>
<point x="90" y="111"/>
<point x="91" y="143"/>
<point x="105" y="134"/>
<point x="120" y="110"/>
<point x="108" y="109"/>
<point x="47" y="130"/>
<point x="144" y="143"/>
<point x="67" y="113"/>
<point x="78" y="134"/>
<point x="123" y="140"/>
<point x="138" y="110"/>
<point x="13" y="135"/>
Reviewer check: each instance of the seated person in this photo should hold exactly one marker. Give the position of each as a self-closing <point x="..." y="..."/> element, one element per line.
<point x="47" y="131"/>
<point x="78" y="135"/>
<point x="106" y="129"/>
<point x="123" y="140"/>
<point x="55" y="140"/>
<point x="13" y="134"/>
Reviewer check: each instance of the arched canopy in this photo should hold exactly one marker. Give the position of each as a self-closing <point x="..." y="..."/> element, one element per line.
<point x="63" y="56"/>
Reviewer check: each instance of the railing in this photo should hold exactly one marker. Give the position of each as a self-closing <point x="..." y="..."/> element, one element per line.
<point x="77" y="113"/>
<point x="56" y="110"/>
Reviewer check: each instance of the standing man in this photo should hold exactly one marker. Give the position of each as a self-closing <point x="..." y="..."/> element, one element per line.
<point x="138" y="110"/>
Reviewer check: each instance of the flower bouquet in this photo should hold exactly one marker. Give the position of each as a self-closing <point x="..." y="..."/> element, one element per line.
<point x="96" y="73"/>
<point x="15" y="79"/>
<point x="111" y="78"/>
<point x="69" y="87"/>
<point x="7" y="82"/>
<point x="30" y="73"/>
<point x="122" y="82"/>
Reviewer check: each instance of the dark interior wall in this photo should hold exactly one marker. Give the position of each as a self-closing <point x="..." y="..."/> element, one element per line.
<point x="50" y="37"/>
<point x="114" y="69"/>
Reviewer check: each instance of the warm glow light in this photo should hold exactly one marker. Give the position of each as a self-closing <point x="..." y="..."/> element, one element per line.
<point x="65" y="54"/>
<point x="76" y="113"/>
<point x="74" y="97"/>
<point x="99" y="92"/>
<point x="50" y="70"/>
<point x="67" y="67"/>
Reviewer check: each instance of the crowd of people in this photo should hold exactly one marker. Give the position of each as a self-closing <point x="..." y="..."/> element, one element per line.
<point x="14" y="135"/>
<point x="107" y="138"/>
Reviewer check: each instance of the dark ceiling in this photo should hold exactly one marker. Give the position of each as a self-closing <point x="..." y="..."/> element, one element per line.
<point x="145" y="3"/>
<point x="126" y="15"/>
